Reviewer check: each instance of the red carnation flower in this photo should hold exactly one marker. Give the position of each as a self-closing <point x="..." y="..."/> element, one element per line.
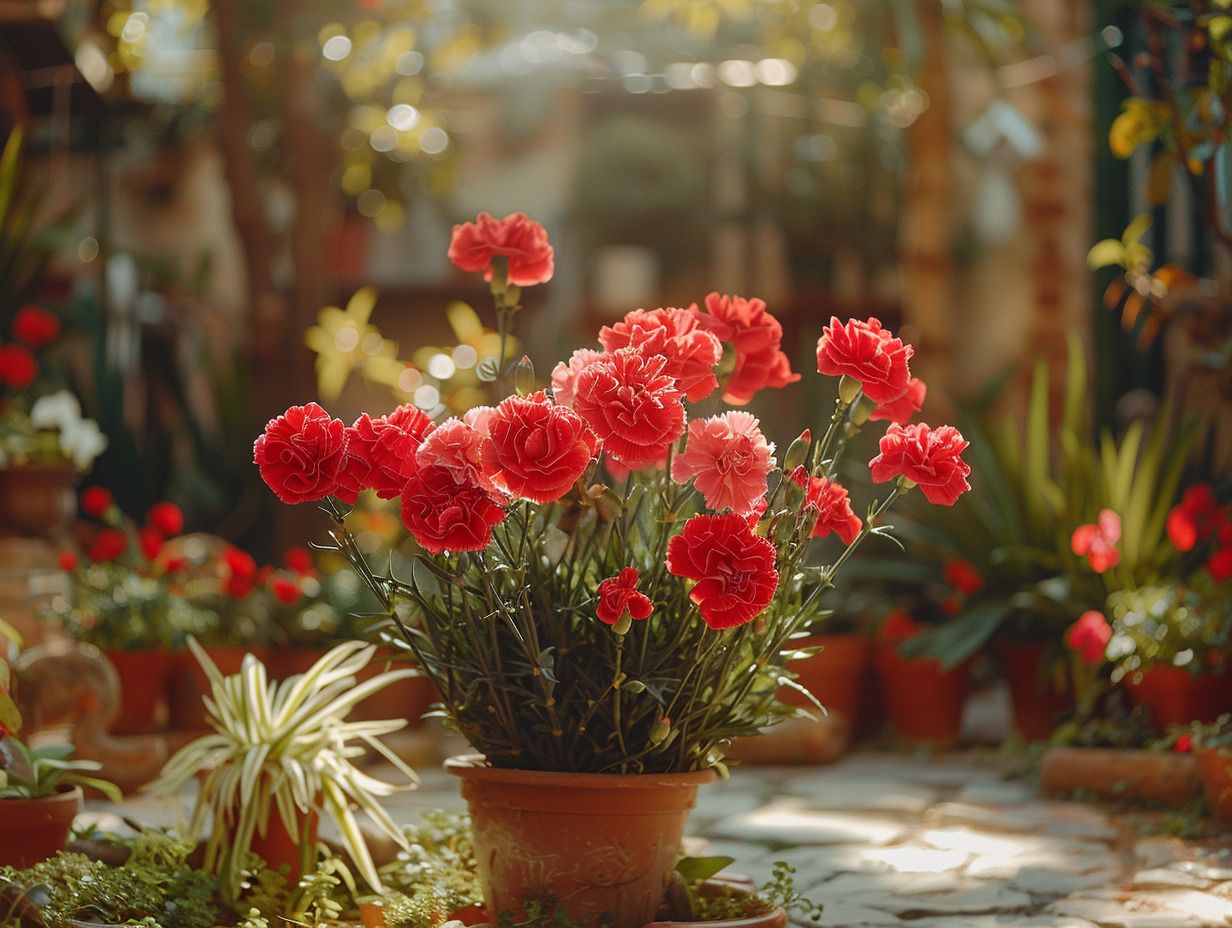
<point x="1088" y="637"/>
<point x="756" y="336"/>
<point x="734" y="568"/>
<point x="285" y="591"/>
<point x="691" y="351"/>
<point x="445" y="514"/>
<point x="868" y="353"/>
<point x="241" y="572"/>
<point x="1219" y="565"/>
<point x="631" y="405"/>
<point x="902" y="409"/>
<point x="298" y="559"/>
<point x="67" y="561"/>
<point x="96" y="500"/>
<point x="1193" y="518"/>
<point x="619" y="595"/>
<point x="931" y="458"/>
<point x="167" y="518"/>
<point x="108" y="545"/>
<point x="17" y="366"/>
<point x="381" y="452"/>
<point x="151" y="541"/>
<point x="833" y="507"/>
<point x="536" y="449"/>
<point x="301" y="453"/>
<point x="523" y="241"/>
<point x="1184" y="743"/>
<point x="1097" y="541"/>
<point x="35" y="326"/>
<point x="962" y="576"/>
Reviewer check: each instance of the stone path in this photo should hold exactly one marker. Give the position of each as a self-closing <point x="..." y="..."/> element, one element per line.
<point x="947" y="842"/>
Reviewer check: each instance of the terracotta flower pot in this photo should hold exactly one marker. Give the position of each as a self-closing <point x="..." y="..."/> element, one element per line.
<point x="189" y="684"/>
<point x="772" y="918"/>
<point x="37" y="500"/>
<point x="834" y="674"/>
<point x="1215" y="771"/>
<point x="923" y="702"/>
<point x="1036" y="699"/>
<point x="145" y="677"/>
<point x="278" y="848"/>
<point x="1173" y="696"/>
<point x="284" y="662"/>
<point x="34" y="829"/>
<point x="591" y="843"/>
<point x="403" y="699"/>
<point x="1121" y="773"/>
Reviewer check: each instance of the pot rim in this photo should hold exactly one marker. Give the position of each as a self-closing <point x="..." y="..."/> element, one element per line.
<point x="475" y="767"/>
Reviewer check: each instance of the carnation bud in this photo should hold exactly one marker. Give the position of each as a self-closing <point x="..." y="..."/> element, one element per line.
<point x="863" y="409"/>
<point x="848" y="389"/>
<point x="660" y="730"/>
<point x="623" y="625"/>
<point x="524" y="377"/>
<point x="797" y="452"/>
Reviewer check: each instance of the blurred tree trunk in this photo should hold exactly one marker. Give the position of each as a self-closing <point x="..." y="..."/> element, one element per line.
<point x="924" y="239"/>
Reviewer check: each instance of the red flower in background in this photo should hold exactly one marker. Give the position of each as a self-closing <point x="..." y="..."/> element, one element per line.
<point x="1184" y="743"/>
<point x="867" y="352"/>
<point x="618" y="595"/>
<point x="632" y="405"/>
<point x="930" y="458"/>
<point x="523" y="241"/>
<point x="734" y="569"/>
<point x="902" y="409"/>
<point x="536" y="449"/>
<point x="67" y="561"/>
<point x="962" y="576"/>
<point x="285" y="591"/>
<point x="445" y="514"/>
<point x="301" y="453"/>
<point x="1219" y="565"/>
<point x="728" y="458"/>
<point x="96" y="500"/>
<point x="167" y="518"/>
<point x="897" y="625"/>
<point x="833" y="507"/>
<point x="17" y="367"/>
<point x="108" y="544"/>
<point x="757" y="336"/>
<point x="241" y="572"/>
<point x="1088" y="637"/>
<point x="35" y="326"/>
<point x="1194" y="517"/>
<point x="298" y="559"/>
<point x="381" y="452"/>
<point x="691" y="351"/>
<point x="1097" y="541"/>
<point x="151" y="541"/>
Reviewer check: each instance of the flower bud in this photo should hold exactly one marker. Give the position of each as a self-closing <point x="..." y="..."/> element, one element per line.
<point x="623" y="624"/>
<point x="848" y="389"/>
<point x="797" y="452"/>
<point x="524" y="377"/>
<point x="863" y="409"/>
<point x="660" y="730"/>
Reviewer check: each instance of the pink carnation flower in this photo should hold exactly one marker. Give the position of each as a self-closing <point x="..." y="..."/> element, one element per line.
<point x="728" y="458"/>
<point x="564" y="376"/>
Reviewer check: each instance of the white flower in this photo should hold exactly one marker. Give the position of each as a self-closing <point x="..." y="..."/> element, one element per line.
<point x="80" y="439"/>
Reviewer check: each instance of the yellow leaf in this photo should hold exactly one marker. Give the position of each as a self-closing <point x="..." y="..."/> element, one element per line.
<point x="1105" y="254"/>
<point x="1136" y="229"/>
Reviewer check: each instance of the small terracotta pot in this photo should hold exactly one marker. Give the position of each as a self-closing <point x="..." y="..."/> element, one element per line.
<point x="285" y="662"/>
<point x="189" y="685"/>
<point x="923" y="702"/>
<point x="1121" y="773"/>
<point x="1215" y="771"/>
<point x="591" y="843"/>
<point x="1173" y="696"/>
<point x="833" y="675"/>
<point x="37" y="500"/>
<point x="1035" y="698"/>
<point x="34" y="829"/>
<point x="145" y="677"/>
<point x="278" y="848"/>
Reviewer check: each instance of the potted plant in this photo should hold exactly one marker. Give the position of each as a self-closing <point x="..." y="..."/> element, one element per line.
<point x="280" y="756"/>
<point x="40" y="788"/>
<point x="125" y="598"/>
<point x="605" y="591"/>
<point x="1211" y="745"/>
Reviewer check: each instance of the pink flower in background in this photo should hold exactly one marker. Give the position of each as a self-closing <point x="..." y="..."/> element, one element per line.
<point x="618" y="595"/>
<point x="728" y="458"/>
<point x="523" y="241"/>
<point x="1088" y="637"/>
<point x="1097" y="541"/>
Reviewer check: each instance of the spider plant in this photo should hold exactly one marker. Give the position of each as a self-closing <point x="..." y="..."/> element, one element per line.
<point x="286" y="747"/>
